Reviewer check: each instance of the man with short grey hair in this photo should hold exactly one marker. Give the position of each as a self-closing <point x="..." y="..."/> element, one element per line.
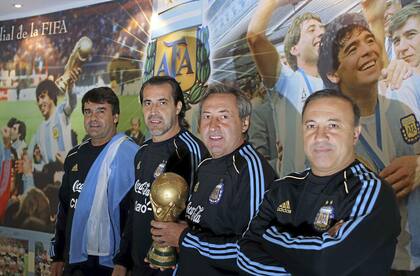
<point x="228" y="192"/>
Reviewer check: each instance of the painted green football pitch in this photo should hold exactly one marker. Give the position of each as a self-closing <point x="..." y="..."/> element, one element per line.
<point x="28" y="112"/>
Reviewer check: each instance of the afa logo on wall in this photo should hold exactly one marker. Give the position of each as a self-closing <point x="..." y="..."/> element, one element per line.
<point x="183" y="55"/>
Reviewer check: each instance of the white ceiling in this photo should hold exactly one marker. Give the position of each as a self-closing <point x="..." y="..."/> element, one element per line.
<point x="38" y="7"/>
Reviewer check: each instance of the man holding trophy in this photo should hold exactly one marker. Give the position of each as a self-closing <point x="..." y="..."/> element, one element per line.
<point x="171" y="149"/>
<point x="226" y="196"/>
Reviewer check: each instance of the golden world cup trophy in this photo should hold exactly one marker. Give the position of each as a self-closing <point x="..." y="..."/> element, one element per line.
<point x="77" y="57"/>
<point x="168" y="196"/>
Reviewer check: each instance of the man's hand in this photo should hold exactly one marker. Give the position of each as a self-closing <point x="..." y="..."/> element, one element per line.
<point x="263" y="52"/>
<point x="60" y="157"/>
<point x="74" y="75"/>
<point x="57" y="268"/>
<point x="7" y="142"/>
<point x="401" y="174"/>
<point x="334" y="229"/>
<point x="167" y="233"/>
<point x="396" y="72"/>
<point x="119" y="270"/>
<point x="373" y="10"/>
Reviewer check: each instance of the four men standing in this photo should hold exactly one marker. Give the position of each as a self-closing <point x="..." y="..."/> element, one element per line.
<point x="308" y="221"/>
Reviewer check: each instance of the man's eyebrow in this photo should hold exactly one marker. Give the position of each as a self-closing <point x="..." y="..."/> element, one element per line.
<point x="309" y="121"/>
<point x="347" y="48"/>
<point x="334" y="120"/>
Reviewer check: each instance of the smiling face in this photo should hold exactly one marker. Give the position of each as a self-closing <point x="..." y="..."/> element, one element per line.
<point x="359" y="61"/>
<point x="221" y="127"/>
<point x="45" y="104"/>
<point x="160" y="111"/>
<point x="329" y="135"/>
<point x="99" y="122"/>
<point x="307" y="48"/>
<point x="406" y="41"/>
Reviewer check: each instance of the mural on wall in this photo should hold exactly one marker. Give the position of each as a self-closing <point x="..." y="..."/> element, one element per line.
<point x="49" y="61"/>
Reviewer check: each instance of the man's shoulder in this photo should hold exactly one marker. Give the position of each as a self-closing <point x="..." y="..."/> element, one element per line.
<point x="130" y="144"/>
<point x="73" y="154"/>
<point x="295" y="178"/>
<point x="76" y="149"/>
<point x="189" y="141"/>
<point x="247" y="157"/>
<point x="289" y="184"/>
<point x="362" y="174"/>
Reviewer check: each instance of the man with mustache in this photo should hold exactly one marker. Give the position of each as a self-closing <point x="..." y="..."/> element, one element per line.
<point x="389" y="141"/>
<point x="172" y="149"/>
<point x="228" y="191"/>
<point x="335" y="218"/>
<point x="91" y="210"/>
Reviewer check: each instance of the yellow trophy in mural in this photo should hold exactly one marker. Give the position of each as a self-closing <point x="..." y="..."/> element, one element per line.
<point x="77" y="57"/>
<point x="168" y="196"/>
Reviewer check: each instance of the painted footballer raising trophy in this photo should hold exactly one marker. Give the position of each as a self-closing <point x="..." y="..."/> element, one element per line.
<point x="168" y="196"/>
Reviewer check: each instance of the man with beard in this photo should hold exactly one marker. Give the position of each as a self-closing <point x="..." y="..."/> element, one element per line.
<point x="171" y="149"/>
<point x="350" y="60"/>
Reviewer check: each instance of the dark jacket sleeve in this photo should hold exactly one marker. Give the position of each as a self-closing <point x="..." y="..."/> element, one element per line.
<point x="220" y="250"/>
<point x="123" y="256"/>
<point x="252" y="258"/>
<point x="355" y="244"/>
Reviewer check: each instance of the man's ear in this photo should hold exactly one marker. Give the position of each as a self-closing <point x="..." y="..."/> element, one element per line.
<point x="116" y="118"/>
<point x="245" y="124"/>
<point x="178" y="107"/>
<point x="356" y="134"/>
<point x="333" y="77"/>
<point x="294" y="51"/>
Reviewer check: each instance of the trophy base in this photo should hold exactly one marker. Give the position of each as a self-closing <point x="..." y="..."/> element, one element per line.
<point x="162" y="256"/>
